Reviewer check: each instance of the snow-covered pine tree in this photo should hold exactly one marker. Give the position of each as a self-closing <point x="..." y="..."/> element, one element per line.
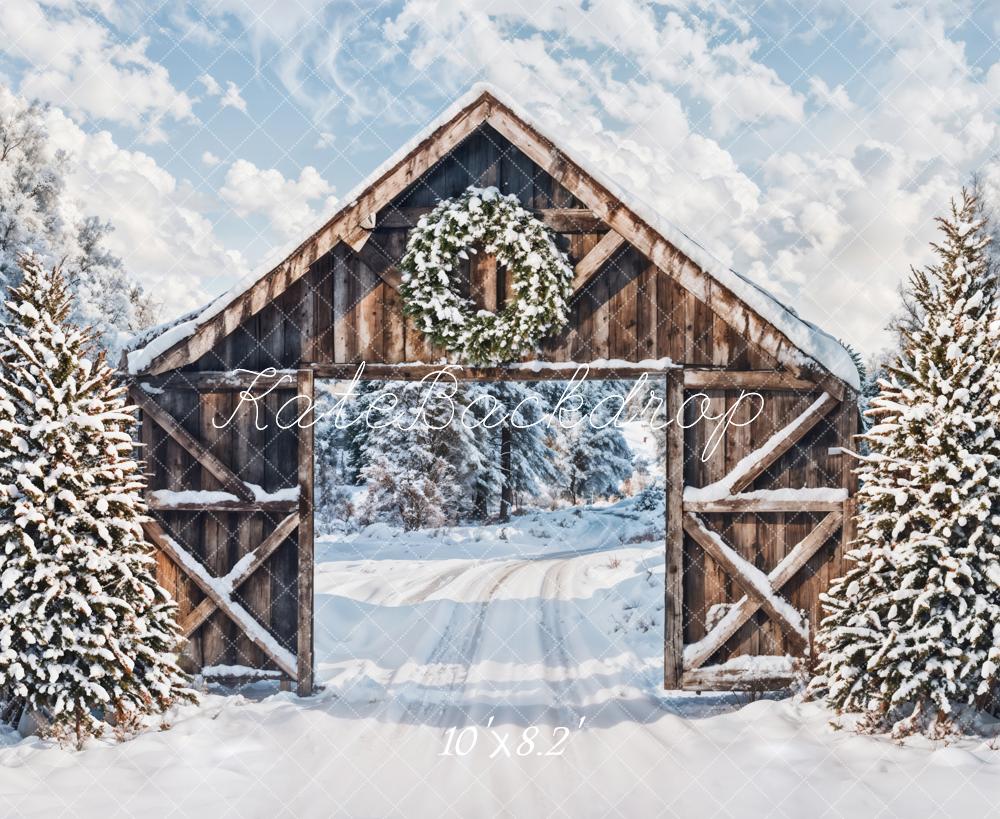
<point x="537" y="459"/>
<point x="598" y="455"/>
<point x="411" y="465"/>
<point x="85" y="631"/>
<point x="347" y="431"/>
<point x="335" y="457"/>
<point x="913" y="630"/>
<point x="482" y="476"/>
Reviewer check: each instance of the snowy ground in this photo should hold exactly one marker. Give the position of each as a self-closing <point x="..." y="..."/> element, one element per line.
<point x="550" y="620"/>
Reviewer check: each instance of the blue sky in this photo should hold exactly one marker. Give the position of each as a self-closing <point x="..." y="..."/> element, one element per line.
<point x="807" y="144"/>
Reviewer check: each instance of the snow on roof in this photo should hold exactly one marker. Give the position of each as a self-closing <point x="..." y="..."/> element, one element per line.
<point x="810" y="340"/>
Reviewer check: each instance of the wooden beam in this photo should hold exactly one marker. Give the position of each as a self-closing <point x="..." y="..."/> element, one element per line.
<point x="378" y="261"/>
<point x="200" y="613"/>
<point x="222" y="507"/>
<point x="188" y="564"/>
<point x="673" y="604"/>
<point x="238" y="380"/>
<point x="781" y="442"/>
<point x="304" y="650"/>
<point x="590" y="265"/>
<point x="222" y="473"/>
<point x="721" y="678"/>
<point x="558" y="220"/>
<point x="217" y="380"/>
<point x="705" y="538"/>
<point x="416" y="372"/>
<point x="697" y="654"/>
<point x="760" y="506"/>
<point x="706" y="379"/>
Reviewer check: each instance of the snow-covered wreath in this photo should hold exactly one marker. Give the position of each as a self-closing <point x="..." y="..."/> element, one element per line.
<point x="541" y="276"/>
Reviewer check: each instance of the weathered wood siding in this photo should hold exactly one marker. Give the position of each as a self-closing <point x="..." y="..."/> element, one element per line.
<point x="762" y="538"/>
<point x="631" y="310"/>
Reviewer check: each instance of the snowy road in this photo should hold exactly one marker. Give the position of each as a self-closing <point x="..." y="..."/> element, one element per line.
<point x="457" y="667"/>
<point x="450" y="640"/>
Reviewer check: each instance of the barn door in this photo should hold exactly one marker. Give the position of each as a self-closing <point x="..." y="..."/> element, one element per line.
<point x="231" y="509"/>
<point x="755" y="525"/>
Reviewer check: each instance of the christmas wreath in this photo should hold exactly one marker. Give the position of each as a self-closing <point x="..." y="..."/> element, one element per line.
<point x="541" y="276"/>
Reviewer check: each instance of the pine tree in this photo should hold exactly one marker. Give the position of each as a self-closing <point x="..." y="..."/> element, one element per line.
<point x="85" y="632"/>
<point x="335" y="469"/>
<point x="410" y="462"/>
<point x="536" y="462"/>
<point x="599" y="456"/>
<point x="913" y="629"/>
<point x="482" y="475"/>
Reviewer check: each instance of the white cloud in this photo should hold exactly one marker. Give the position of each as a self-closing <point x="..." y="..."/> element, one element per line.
<point x="210" y="84"/>
<point x="285" y="203"/>
<point x="232" y="98"/>
<point x="679" y="53"/>
<point x="210" y="159"/>
<point x="73" y="60"/>
<point x="165" y="241"/>
<point x="326" y="140"/>
<point x="836" y="97"/>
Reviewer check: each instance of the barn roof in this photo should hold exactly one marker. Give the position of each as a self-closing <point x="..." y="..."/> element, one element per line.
<point x="799" y="342"/>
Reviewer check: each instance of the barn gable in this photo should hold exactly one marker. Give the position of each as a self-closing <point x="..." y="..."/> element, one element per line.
<point x="485" y="140"/>
<point x="233" y="502"/>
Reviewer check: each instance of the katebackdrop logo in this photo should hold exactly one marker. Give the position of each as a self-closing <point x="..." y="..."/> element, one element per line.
<point x="436" y="406"/>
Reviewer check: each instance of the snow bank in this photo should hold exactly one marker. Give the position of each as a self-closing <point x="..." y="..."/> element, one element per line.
<point x="762" y="665"/>
<point x="810" y="340"/>
<point x="288" y="493"/>
<point x="209" y="496"/>
<point x="596" y="364"/>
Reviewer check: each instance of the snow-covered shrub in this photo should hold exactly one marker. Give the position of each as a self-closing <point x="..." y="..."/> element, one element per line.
<point x="414" y="495"/>
<point x="650" y="499"/>
<point x="912" y="632"/>
<point x="86" y="634"/>
<point x="337" y="510"/>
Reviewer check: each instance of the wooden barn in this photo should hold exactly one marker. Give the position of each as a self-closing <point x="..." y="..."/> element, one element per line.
<point x="755" y="530"/>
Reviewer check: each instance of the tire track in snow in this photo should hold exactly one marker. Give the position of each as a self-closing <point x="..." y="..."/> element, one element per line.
<point x="457" y="650"/>
<point x="552" y="626"/>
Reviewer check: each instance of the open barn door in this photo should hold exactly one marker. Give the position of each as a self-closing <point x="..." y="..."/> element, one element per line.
<point x="754" y="522"/>
<point x="231" y="509"/>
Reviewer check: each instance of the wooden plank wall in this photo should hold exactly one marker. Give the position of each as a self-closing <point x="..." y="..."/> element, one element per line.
<point x="343" y="311"/>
